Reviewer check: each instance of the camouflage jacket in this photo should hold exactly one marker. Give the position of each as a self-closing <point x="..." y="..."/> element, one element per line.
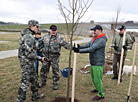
<point x="53" y="44"/>
<point x="27" y="46"/>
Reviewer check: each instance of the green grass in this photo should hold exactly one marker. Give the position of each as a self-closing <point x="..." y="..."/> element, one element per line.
<point x="10" y="76"/>
<point x="14" y="41"/>
<point x="60" y="27"/>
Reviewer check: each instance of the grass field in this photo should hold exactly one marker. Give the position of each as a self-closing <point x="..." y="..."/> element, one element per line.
<point x="60" y="27"/>
<point x="14" y="41"/>
<point x="10" y="76"/>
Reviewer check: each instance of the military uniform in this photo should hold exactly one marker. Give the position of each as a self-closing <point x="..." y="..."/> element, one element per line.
<point x="52" y="50"/>
<point x="27" y="56"/>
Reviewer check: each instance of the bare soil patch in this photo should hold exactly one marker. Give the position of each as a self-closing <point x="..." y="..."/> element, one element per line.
<point x="107" y="67"/>
<point x="62" y="99"/>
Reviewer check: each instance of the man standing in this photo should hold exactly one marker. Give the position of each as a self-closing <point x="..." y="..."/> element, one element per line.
<point x="96" y="48"/>
<point x="27" y="56"/>
<point x="117" y="44"/>
<point x="133" y="39"/>
<point x="52" y="49"/>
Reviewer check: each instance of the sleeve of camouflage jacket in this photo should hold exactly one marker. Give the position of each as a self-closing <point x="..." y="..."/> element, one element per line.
<point x="65" y="44"/>
<point x="30" y="50"/>
<point x="40" y="43"/>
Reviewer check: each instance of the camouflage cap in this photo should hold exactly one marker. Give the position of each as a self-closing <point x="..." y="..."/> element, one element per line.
<point x="33" y="22"/>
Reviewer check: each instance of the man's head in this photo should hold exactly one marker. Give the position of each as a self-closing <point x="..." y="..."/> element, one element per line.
<point x="53" y="30"/>
<point x="38" y="34"/>
<point x="97" y="30"/>
<point x="34" y="25"/>
<point x="122" y="29"/>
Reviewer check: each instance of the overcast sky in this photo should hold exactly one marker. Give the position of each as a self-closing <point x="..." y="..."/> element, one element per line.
<point x="46" y="11"/>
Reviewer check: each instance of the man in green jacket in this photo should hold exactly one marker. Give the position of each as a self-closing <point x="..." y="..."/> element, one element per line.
<point x="117" y="44"/>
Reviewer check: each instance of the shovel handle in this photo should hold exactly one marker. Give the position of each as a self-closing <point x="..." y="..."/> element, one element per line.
<point x="74" y="72"/>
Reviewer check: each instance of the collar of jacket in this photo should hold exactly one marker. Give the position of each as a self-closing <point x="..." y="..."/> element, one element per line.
<point x="99" y="36"/>
<point x="33" y="32"/>
<point x="37" y="38"/>
<point x="52" y="36"/>
<point x="121" y="35"/>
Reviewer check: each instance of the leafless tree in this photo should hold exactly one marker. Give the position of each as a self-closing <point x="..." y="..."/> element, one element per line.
<point x="73" y="13"/>
<point x="115" y="23"/>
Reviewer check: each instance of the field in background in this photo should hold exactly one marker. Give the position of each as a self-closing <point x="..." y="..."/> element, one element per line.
<point x="61" y="27"/>
<point x="14" y="41"/>
<point x="10" y="76"/>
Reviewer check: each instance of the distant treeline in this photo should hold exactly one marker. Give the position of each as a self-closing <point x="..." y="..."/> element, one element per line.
<point x="9" y="23"/>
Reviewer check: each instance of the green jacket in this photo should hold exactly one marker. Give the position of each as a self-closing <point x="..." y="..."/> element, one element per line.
<point x="118" y="40"/>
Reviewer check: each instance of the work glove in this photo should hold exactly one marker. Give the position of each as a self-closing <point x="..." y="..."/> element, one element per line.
<point x="124" y="47"/>
<point x="75" y="49"/>
<point x="115" y="47"/>
<point x="78" y="46"/>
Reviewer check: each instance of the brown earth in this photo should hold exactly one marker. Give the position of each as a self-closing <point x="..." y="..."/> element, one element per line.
<point x="107" y="67"/>
<point x="87" y="69"/>
<point x="109" y="52"/>
<point x="62" y="99"/>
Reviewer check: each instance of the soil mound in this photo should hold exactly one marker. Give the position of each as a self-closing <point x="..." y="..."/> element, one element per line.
<point x="85" y="70"/>
<point x="107" y="67"/>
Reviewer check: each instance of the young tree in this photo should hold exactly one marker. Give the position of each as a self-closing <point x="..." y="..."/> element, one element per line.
<point x="115" y="23"/>
<point x="73" y="13"/>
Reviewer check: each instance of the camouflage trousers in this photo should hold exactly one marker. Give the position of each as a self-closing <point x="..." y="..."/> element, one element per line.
<point x="55" y="69"/>
<point x="28" y="76"/>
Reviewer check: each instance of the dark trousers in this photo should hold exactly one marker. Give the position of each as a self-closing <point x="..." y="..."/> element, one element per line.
<point x="37" y="63"/>
<point x="116" y="59"/>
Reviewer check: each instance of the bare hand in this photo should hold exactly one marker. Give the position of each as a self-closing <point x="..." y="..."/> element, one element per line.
<point x="43" y="59"/>
<point x="40" y="50"/>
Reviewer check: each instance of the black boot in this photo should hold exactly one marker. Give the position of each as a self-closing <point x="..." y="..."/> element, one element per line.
<point x="39" y="96"/>
<point x="55" y="87"/>
<point x="114" y="77"/>
<point x="40" y="85"/>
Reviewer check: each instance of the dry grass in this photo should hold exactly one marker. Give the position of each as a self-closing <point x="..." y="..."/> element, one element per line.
<point x="10" y="75"/>
<point x="14" y="41"/>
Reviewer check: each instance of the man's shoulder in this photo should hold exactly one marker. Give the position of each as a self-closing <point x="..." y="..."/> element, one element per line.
<point x="59" y="37"/>
<point x="46" y="35"/>
<point x="117" y="35"/>
<point x="128" y="36"/>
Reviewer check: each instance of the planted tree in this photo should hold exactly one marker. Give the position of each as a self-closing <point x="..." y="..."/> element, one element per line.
<point x="115" y="23"/>
<point x="72" y="14"/>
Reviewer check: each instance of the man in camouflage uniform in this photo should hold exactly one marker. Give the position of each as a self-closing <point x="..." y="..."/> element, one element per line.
<point x="27" y="56"/>
<point x="52" y="46"/>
